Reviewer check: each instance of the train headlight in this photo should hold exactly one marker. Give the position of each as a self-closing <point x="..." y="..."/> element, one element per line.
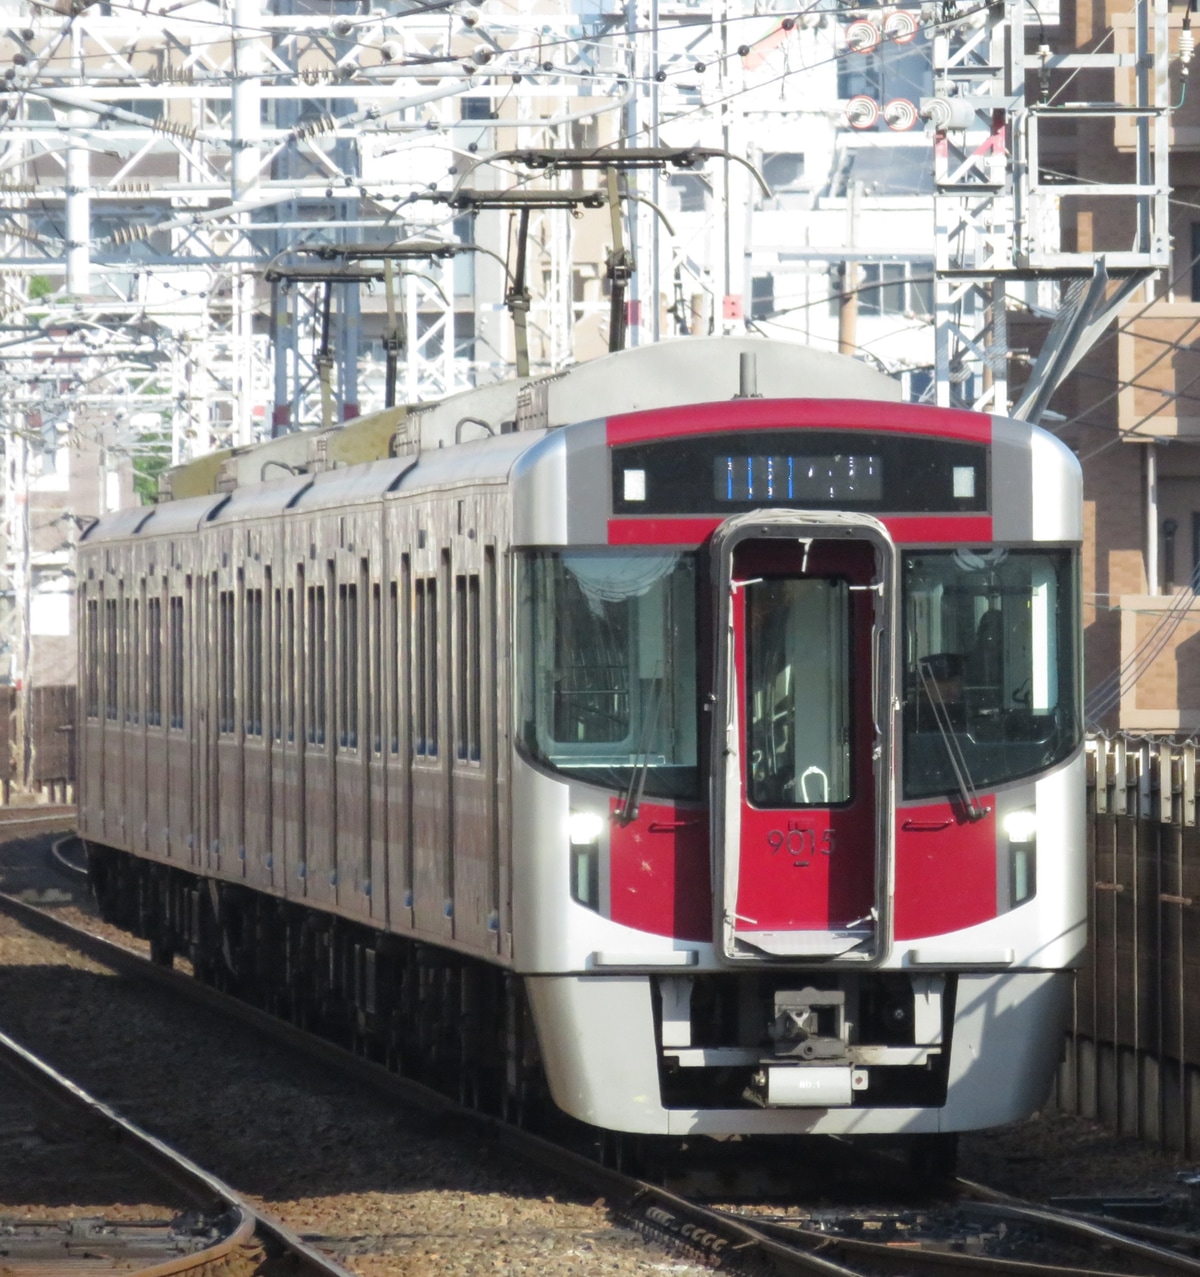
<point x="585" y="830"/>
<point x="1020" y="828"/>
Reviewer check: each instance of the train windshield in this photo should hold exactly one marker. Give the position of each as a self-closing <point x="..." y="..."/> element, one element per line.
<point x="990" y="666"/>
<point x="606" y="666"/>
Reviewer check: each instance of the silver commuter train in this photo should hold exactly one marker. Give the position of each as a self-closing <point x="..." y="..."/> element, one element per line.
<point x="695" y="739"/>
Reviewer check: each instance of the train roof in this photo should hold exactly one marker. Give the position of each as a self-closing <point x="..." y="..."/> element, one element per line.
<point x="665" y="375"/>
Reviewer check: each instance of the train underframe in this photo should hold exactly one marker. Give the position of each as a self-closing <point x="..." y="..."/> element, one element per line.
<point x="419" y="1009"/>
<point x="614" y="1061"/>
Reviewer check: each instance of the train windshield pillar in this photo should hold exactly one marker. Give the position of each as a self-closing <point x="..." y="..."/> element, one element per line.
<point x="801" y="824"/>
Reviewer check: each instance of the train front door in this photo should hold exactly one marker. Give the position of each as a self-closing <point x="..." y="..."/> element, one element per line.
<point x="802" y="826"/>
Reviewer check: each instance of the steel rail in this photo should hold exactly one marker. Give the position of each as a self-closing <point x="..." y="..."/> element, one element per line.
<point x="721" y="1238"/>
<point x="710" y="1235"/>
<point x="174" y="1168"/>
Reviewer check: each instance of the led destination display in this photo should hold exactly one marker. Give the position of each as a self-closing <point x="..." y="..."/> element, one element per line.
<point x="869" y="471"/>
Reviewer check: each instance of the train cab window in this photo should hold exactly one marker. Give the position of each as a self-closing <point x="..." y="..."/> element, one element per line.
<point x="799" y="726"/>
<point x="176" y="697"/>
<point x="92" y="690"/>
<point x="990" y="666"/>
<point x="606" y="667"/>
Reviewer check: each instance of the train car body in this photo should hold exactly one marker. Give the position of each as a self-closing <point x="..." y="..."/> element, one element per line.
<point x="725" y="731"/>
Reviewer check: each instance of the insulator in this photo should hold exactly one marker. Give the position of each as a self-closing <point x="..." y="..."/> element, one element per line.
<point x="947" y="113"/>
<point x="900" y="26"/>
<point x="900" y="114"/>
<point x="1187" y="45"/>
<point x="862" y="36"/>
<point x="862" y="112"/>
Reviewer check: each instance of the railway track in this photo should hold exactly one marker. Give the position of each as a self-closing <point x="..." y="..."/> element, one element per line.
<point x="972" y="1229"/>
<point x="222" y="1230"/>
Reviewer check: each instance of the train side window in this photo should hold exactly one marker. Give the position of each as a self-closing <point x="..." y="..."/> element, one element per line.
<point x="253" y="645"/>
<point x="347" y="689"/>
<point x="225" y="670"/>
<point x="175" y="626"/>
<point x="154" y="662"/>
<point x="93" y="659"/>
<point x="111" y="655"/>
<point x="373" y="702"/>
<point x="316" y="664"/>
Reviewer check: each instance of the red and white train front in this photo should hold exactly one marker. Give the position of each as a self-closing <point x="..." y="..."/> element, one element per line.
<point x="798" y="771"/>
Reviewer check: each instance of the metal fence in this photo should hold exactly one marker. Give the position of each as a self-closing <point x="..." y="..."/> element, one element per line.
<point x="1133" y="1061"/>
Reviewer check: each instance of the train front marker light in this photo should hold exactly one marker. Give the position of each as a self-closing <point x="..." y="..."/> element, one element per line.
<point x="1020" y="828"/>
<point x="584" y="829"/>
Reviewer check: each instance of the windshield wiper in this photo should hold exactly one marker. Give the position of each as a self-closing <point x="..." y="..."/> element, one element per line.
<point x="628" y="810"/>
<point x="958" y="763"/>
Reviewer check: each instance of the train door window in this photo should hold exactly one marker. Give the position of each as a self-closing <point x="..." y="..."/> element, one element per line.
<point x="154" y="662"/>
<point x="425" y="671"/>
<point x="419" y="677"/>
<point x="431" y="668"/>
<point x="489" y="634"/>
<point x="460" y="666"/>
<point x="129" y="643"/>
<point x="277" y="664"/>
<point x="111" y="655"/>
<point x="135" y="685"/>
<point x="316" y="664"/>
<point x="347" y="687"/>
<point x="799" y="725"/>
<point x="289" y="658"/>
<point x="225" y="668"/>
<point x="253" y="644"/>
<point x="467" y="706"/>
<point x="401" y="640"/>
<point x="373" y="702"/>
<point x="93" y="659"/>
<point x="175" y="636"/>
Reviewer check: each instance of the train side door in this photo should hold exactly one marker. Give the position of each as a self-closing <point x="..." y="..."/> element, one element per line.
<point x="802" y="828"/>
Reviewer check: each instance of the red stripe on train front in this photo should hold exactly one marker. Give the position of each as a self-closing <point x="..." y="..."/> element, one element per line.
<point x="813" y="414"/>
<point x="917" y="529"/>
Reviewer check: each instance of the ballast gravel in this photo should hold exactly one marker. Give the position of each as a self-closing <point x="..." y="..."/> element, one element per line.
<point x="388" y="1189"/>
